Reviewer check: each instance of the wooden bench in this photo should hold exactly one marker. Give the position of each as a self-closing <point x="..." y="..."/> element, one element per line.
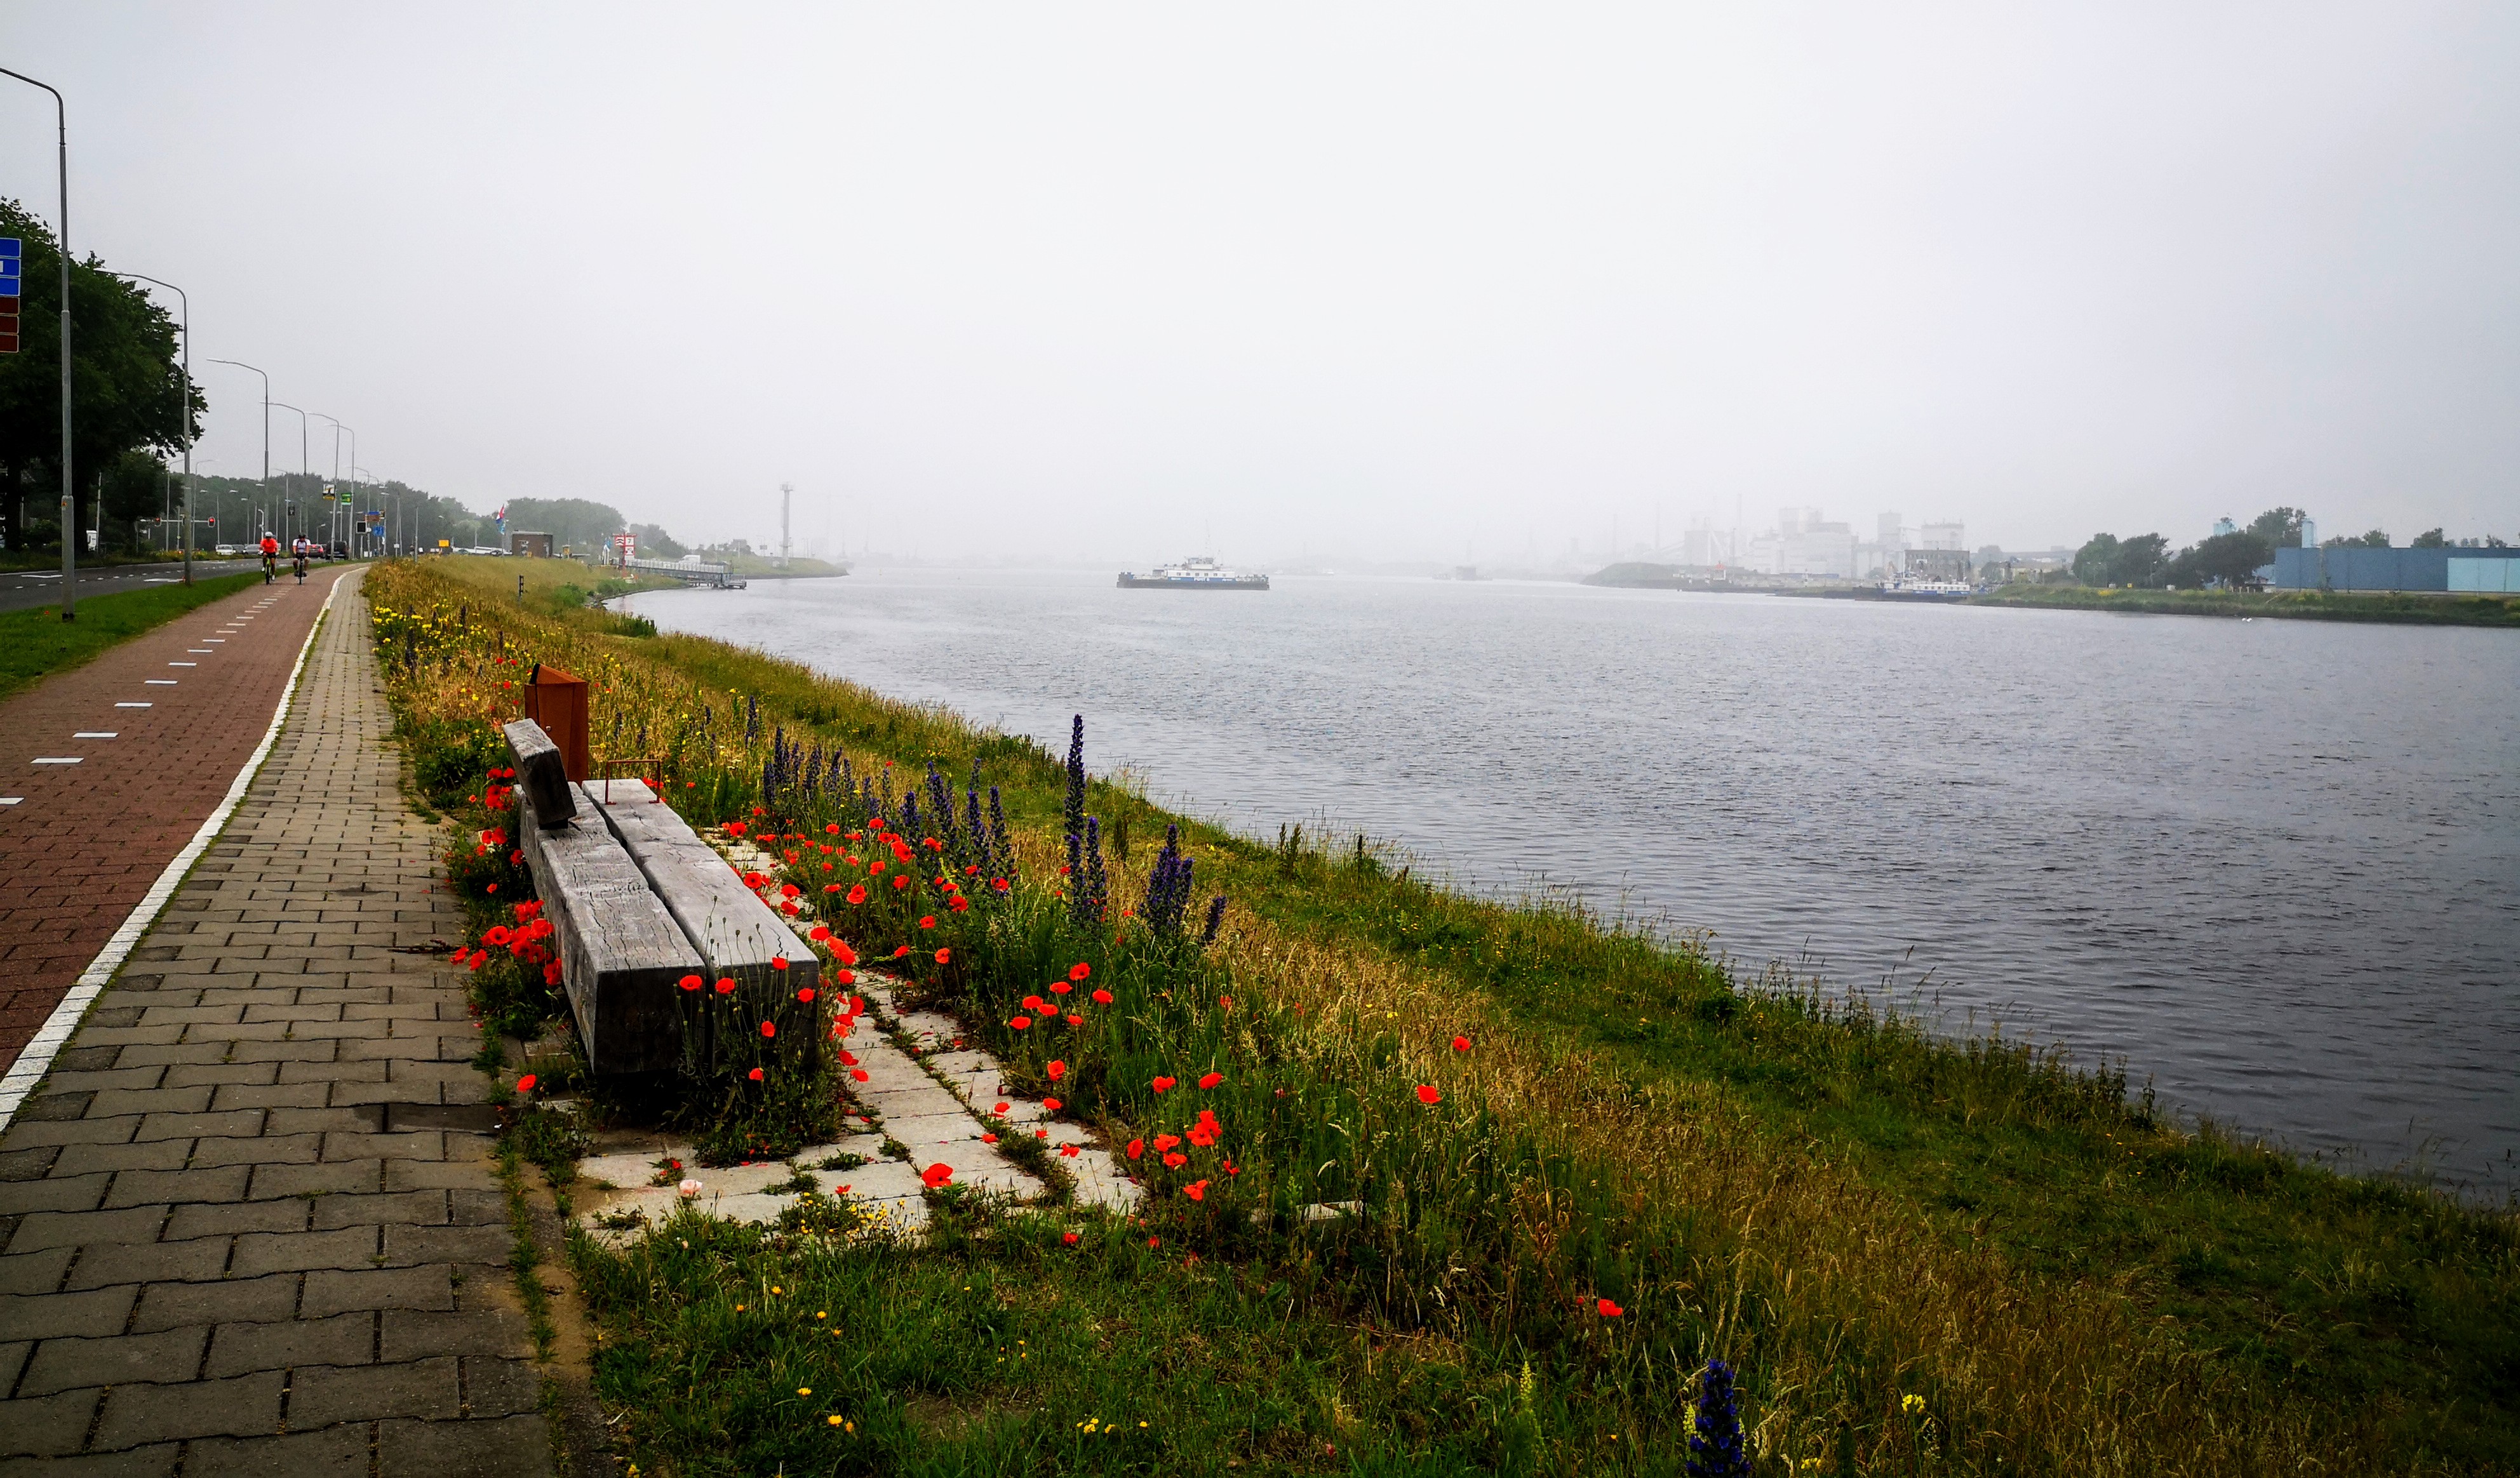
<point x="638" y="902"/>
<point x="736" y="933"/>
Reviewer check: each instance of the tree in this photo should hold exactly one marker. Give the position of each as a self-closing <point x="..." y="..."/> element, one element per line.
<point x="2279" y="526"/>
<point x="2231" y="560"/>
<point x="2095" y="559"/>
<point x="2430" y="538"/>
<point x="2375" y="539"/>
<point x="2141" y="561"/>
<point x="573" y="521"/>
<point x="126" y="386"/>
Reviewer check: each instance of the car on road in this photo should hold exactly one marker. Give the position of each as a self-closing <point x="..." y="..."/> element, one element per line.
<point x="229" y="550"/>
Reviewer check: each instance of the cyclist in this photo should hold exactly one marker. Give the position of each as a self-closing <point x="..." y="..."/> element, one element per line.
<point x="300" y="561"/>
<point x="270" y="559"/>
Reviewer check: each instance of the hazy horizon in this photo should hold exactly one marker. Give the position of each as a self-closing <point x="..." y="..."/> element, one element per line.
<point x="1399" y="283"/>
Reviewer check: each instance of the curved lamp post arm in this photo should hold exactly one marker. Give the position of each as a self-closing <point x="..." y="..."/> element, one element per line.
<point x="184" y="408"/>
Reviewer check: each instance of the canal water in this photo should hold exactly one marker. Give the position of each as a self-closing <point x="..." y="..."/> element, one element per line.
<point x="2272" y="866"/>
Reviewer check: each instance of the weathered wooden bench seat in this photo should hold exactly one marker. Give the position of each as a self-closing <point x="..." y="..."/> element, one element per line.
<point x="638" y="902"/>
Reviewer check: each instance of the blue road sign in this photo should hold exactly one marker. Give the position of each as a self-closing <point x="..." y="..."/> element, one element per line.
<point x="11" y="248"/>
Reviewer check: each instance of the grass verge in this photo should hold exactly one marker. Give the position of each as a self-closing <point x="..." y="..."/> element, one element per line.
<point x="1925" y="1255"/>
<point x="36" y="644"/>
<point x="2395" y="607"/>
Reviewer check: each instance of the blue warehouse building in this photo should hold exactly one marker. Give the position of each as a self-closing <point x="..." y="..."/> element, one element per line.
<point x="2489" y="572"/>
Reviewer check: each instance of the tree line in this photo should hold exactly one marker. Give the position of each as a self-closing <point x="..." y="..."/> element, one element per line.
<point x="2230" y="560"/>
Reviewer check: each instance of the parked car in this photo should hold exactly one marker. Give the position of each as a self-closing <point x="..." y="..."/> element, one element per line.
<point x="228" y="550"/>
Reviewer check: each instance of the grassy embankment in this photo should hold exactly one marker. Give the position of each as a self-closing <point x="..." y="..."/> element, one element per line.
<point x="35" y="644"/>
<point x="1848" y="1210"/>
<point x="2285" y="604"/>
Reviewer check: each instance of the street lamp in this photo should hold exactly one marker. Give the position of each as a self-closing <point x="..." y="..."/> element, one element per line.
<point x="285" y="504"/>
<point x="184" y="408"/>
<point x="266" y="422"/>
<point x="332" y="507"/>
<point x="70" y="504"/>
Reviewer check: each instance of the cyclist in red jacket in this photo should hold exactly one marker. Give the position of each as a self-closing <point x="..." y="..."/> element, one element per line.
<point x="270" y="559"/>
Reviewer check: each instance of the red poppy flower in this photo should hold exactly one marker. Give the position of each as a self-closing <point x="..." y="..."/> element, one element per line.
<point x="1176" y="1160"/>
<point x="1079" y="971"/>
<point x="497" y="933"/>
<point x="1067" y="1151"/>
<point x="1608" y="1310"/>
<point x="900" y="881"/>
<point x="726" y="987"/>
<point x="1051" y="1105"/>
<point x="1211" y="1080"/>
<point x="1035" y="1004"/>
<point x="988" y="1139"/>
<point x="778" y="962"/>
<point x="492" y="888"/>
<point x="1164" y="1084"/>
<point x="898" y="953"/>
<point x="841" y="952"/>
<point x="788" y="890"/>
<point x="806" y="995"/>
<point x="1154" y="1242"/>
<point x="1427" y="1095"/>
<point x="858" y="894"/>
<point x="999" y="1109"/>
<point x="1056" y="1069"/>
<point x="858" y="1073"/>
<point x="1070" y="1237"/>
<point x="1166" y="1140"/>
<point x="942" y="955"/>
<point x="1460" y="1044"/>
<point x="937" y="1174"/>
<point x="1075" y="1020"/>
<point x="769" y="1029"/>
<point x="927" y="923"/>
<point x="998" y="884"/>
<point x="691" y="982"/>
<point x="754" y="1075"/>
<point x="1137" y="1148"/>
<point x="844" y="977"/>
<point x="1197" y="1190"/>
<point x="1202" y="1135"/>
<point x="1101" y="998"/>
<point x="1021" y="1023"/>
<point x="848" y="1058"/>
<point x="734" y="829"/>
<point x="526" y="1083"/>
<point x="833" y="830"/>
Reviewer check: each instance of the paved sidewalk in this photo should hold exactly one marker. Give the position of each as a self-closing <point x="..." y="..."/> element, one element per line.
<point x="83" y="842"/>
<point x="250" y="1223"/>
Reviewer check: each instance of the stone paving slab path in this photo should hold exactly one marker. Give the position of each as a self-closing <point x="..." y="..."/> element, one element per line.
<point x="249" y="1222"/>
<point x="157" y="746"/>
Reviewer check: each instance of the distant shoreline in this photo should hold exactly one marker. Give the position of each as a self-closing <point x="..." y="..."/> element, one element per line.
<point x="2403" y="608"/>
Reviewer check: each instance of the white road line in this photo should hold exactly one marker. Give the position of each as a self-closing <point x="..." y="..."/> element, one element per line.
<point x="11" y="800"/>
<point x="59" y="759"/>
<point x="157" y="682"/>
<point x="183" y="664"/>
<point x="98" y="734"/>
<point x="32" y="1063"/>
<point x="135" y="705"/>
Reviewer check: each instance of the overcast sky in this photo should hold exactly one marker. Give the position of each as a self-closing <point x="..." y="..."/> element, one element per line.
<point x="1086" y="281"/>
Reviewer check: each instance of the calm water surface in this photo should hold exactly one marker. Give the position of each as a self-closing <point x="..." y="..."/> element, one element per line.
<point x="2272" y="864"/>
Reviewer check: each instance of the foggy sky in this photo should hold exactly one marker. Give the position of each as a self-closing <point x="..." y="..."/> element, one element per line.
<point x="1084" y="280"/>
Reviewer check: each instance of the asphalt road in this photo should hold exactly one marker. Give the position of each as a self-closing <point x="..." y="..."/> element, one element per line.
<point x="26" y="589"/>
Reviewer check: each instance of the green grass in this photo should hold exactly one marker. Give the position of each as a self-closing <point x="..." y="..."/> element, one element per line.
<point x="1854" y="1209"/>
<point x="2404" y="609"/>
<point x="36" y="644"/>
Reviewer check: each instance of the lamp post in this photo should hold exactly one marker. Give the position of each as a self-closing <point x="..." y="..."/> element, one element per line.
<point x="266" y="420"/>
<point x="184" y="408"/>
<point x="333" y="505"/>
<point x="285" y="503"/>
<point x="70" y="503"/>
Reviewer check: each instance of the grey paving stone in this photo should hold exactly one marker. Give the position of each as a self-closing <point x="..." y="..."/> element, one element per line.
<point x="67" y="1364"/>
<point x="270" y="1094"/>
<point x="497" y="1387"/>
<point x="194" y="1126"/>
<point x="290" y="1252"/>
<point x="424" y="1175"/>
<point x="26" y="1133"/>
<point x="64" y="1079"/>
<point x="448" y="1244"/>
<point x="427" y="1389"/>
<point x="421" y="1144"/>
<point x="134" y="1188"/>
<point x="72" y="1229"/>
<point x="412" y="1335"/>
<point x="417" y="1208"/>
<point x="56" y="1107"/>
<point x="34" y="1272"/>
<point x="341" y="1452"/>
<point x="345" y="1339"/>
<point x="345" y="1178"/>
<point x="153" y="1461"/>
<point x="230" y="1218"/>
<point x="46" y="1426"/>
<point x="27" y="1164"/>
<point x="150" y="1100"/>
<point x="157" y="1154"/>
<point x="13" y="1359"/>
<point x="103" y="1264"/>
<point x="335" y="1291"/>
<point x="222" y="1075"/>
<point x="507" y="1446"/>
<point x="168" y="1306"/>
<point x="274" y="1150"/>
<point x="243" y="1406"/>
<point x="60" y="1192"/>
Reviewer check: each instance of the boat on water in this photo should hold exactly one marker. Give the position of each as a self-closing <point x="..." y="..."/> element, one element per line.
<point x="1938" y="592"/>
<point x="1198" y="572"/>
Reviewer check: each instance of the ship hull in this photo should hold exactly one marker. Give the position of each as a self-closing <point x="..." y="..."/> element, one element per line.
<point x="1237" y="582"/>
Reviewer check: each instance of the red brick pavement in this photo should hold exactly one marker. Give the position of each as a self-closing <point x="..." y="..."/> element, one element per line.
<point x="85" y="842"/>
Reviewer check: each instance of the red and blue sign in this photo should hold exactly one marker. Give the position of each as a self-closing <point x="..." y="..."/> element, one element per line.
<point x="13" y="255"/>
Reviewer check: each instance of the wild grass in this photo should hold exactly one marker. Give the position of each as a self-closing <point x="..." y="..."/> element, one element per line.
<point x="1848" y="1207"/>
<point x="2403" y="608"/>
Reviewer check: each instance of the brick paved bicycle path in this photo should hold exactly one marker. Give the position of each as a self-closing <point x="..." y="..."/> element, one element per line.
<point x="249" y="1222"/>
<point x="85" y="842"/>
